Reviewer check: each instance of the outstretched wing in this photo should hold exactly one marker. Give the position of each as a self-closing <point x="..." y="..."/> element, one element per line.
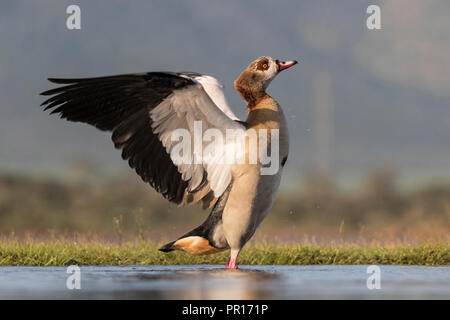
<point x="142" y="111"/>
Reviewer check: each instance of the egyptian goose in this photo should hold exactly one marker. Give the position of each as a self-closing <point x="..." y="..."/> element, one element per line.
<point x="144" y="110"/>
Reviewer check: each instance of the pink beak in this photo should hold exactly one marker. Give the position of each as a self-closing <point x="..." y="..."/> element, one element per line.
<point x="282" y="65"/>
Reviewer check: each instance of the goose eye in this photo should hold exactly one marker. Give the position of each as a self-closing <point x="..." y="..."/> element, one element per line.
<point x="262" y="65"/>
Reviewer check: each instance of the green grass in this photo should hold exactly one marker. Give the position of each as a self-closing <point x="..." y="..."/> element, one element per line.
<point x="58" y="253"/>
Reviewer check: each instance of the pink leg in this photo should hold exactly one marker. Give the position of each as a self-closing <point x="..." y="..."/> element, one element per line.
<point x="232" y="264"/>
<point x="227" y="263"/>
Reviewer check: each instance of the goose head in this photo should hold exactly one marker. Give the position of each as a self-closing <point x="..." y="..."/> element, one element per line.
<point x="254" y="80"/>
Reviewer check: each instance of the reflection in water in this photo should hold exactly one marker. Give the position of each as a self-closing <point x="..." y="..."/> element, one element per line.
<point x="202" y="282"/>
<point x="213" y="284"/>
<point x="226" y="285"/>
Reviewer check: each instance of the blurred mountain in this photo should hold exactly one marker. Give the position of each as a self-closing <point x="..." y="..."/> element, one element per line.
<point x="386" y="91"/>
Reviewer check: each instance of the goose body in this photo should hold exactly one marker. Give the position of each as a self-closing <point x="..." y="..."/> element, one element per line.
<point x="143" y="111"/>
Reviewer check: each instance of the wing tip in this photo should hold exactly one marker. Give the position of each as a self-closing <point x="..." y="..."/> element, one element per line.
<point x="167" y="247"/>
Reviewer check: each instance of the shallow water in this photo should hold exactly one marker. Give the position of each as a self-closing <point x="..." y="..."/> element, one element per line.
<point x="214" y="282"/>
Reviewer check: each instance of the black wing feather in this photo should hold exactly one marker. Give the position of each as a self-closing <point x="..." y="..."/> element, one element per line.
<point x="121" y="104"/>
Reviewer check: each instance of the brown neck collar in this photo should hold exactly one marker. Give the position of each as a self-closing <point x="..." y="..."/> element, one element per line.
<point x="250" y="96"/>
<point x="250" y="89"/>
<point x="253" y="105"/>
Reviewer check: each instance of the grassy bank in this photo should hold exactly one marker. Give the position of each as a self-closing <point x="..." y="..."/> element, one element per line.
<point x="51" y="253"/>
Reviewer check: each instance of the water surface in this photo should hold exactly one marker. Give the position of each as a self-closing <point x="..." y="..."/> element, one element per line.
<point x="214" y="282"/>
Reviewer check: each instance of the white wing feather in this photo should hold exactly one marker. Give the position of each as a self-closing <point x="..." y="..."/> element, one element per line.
<point x="214" y="90"/>
<point x="204" y="102"/>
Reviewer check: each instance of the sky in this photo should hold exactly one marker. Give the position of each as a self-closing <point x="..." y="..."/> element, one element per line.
<point x="359" y="99"/>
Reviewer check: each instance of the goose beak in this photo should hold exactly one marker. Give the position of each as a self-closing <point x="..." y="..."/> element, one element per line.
<point x="282" y="65"/>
